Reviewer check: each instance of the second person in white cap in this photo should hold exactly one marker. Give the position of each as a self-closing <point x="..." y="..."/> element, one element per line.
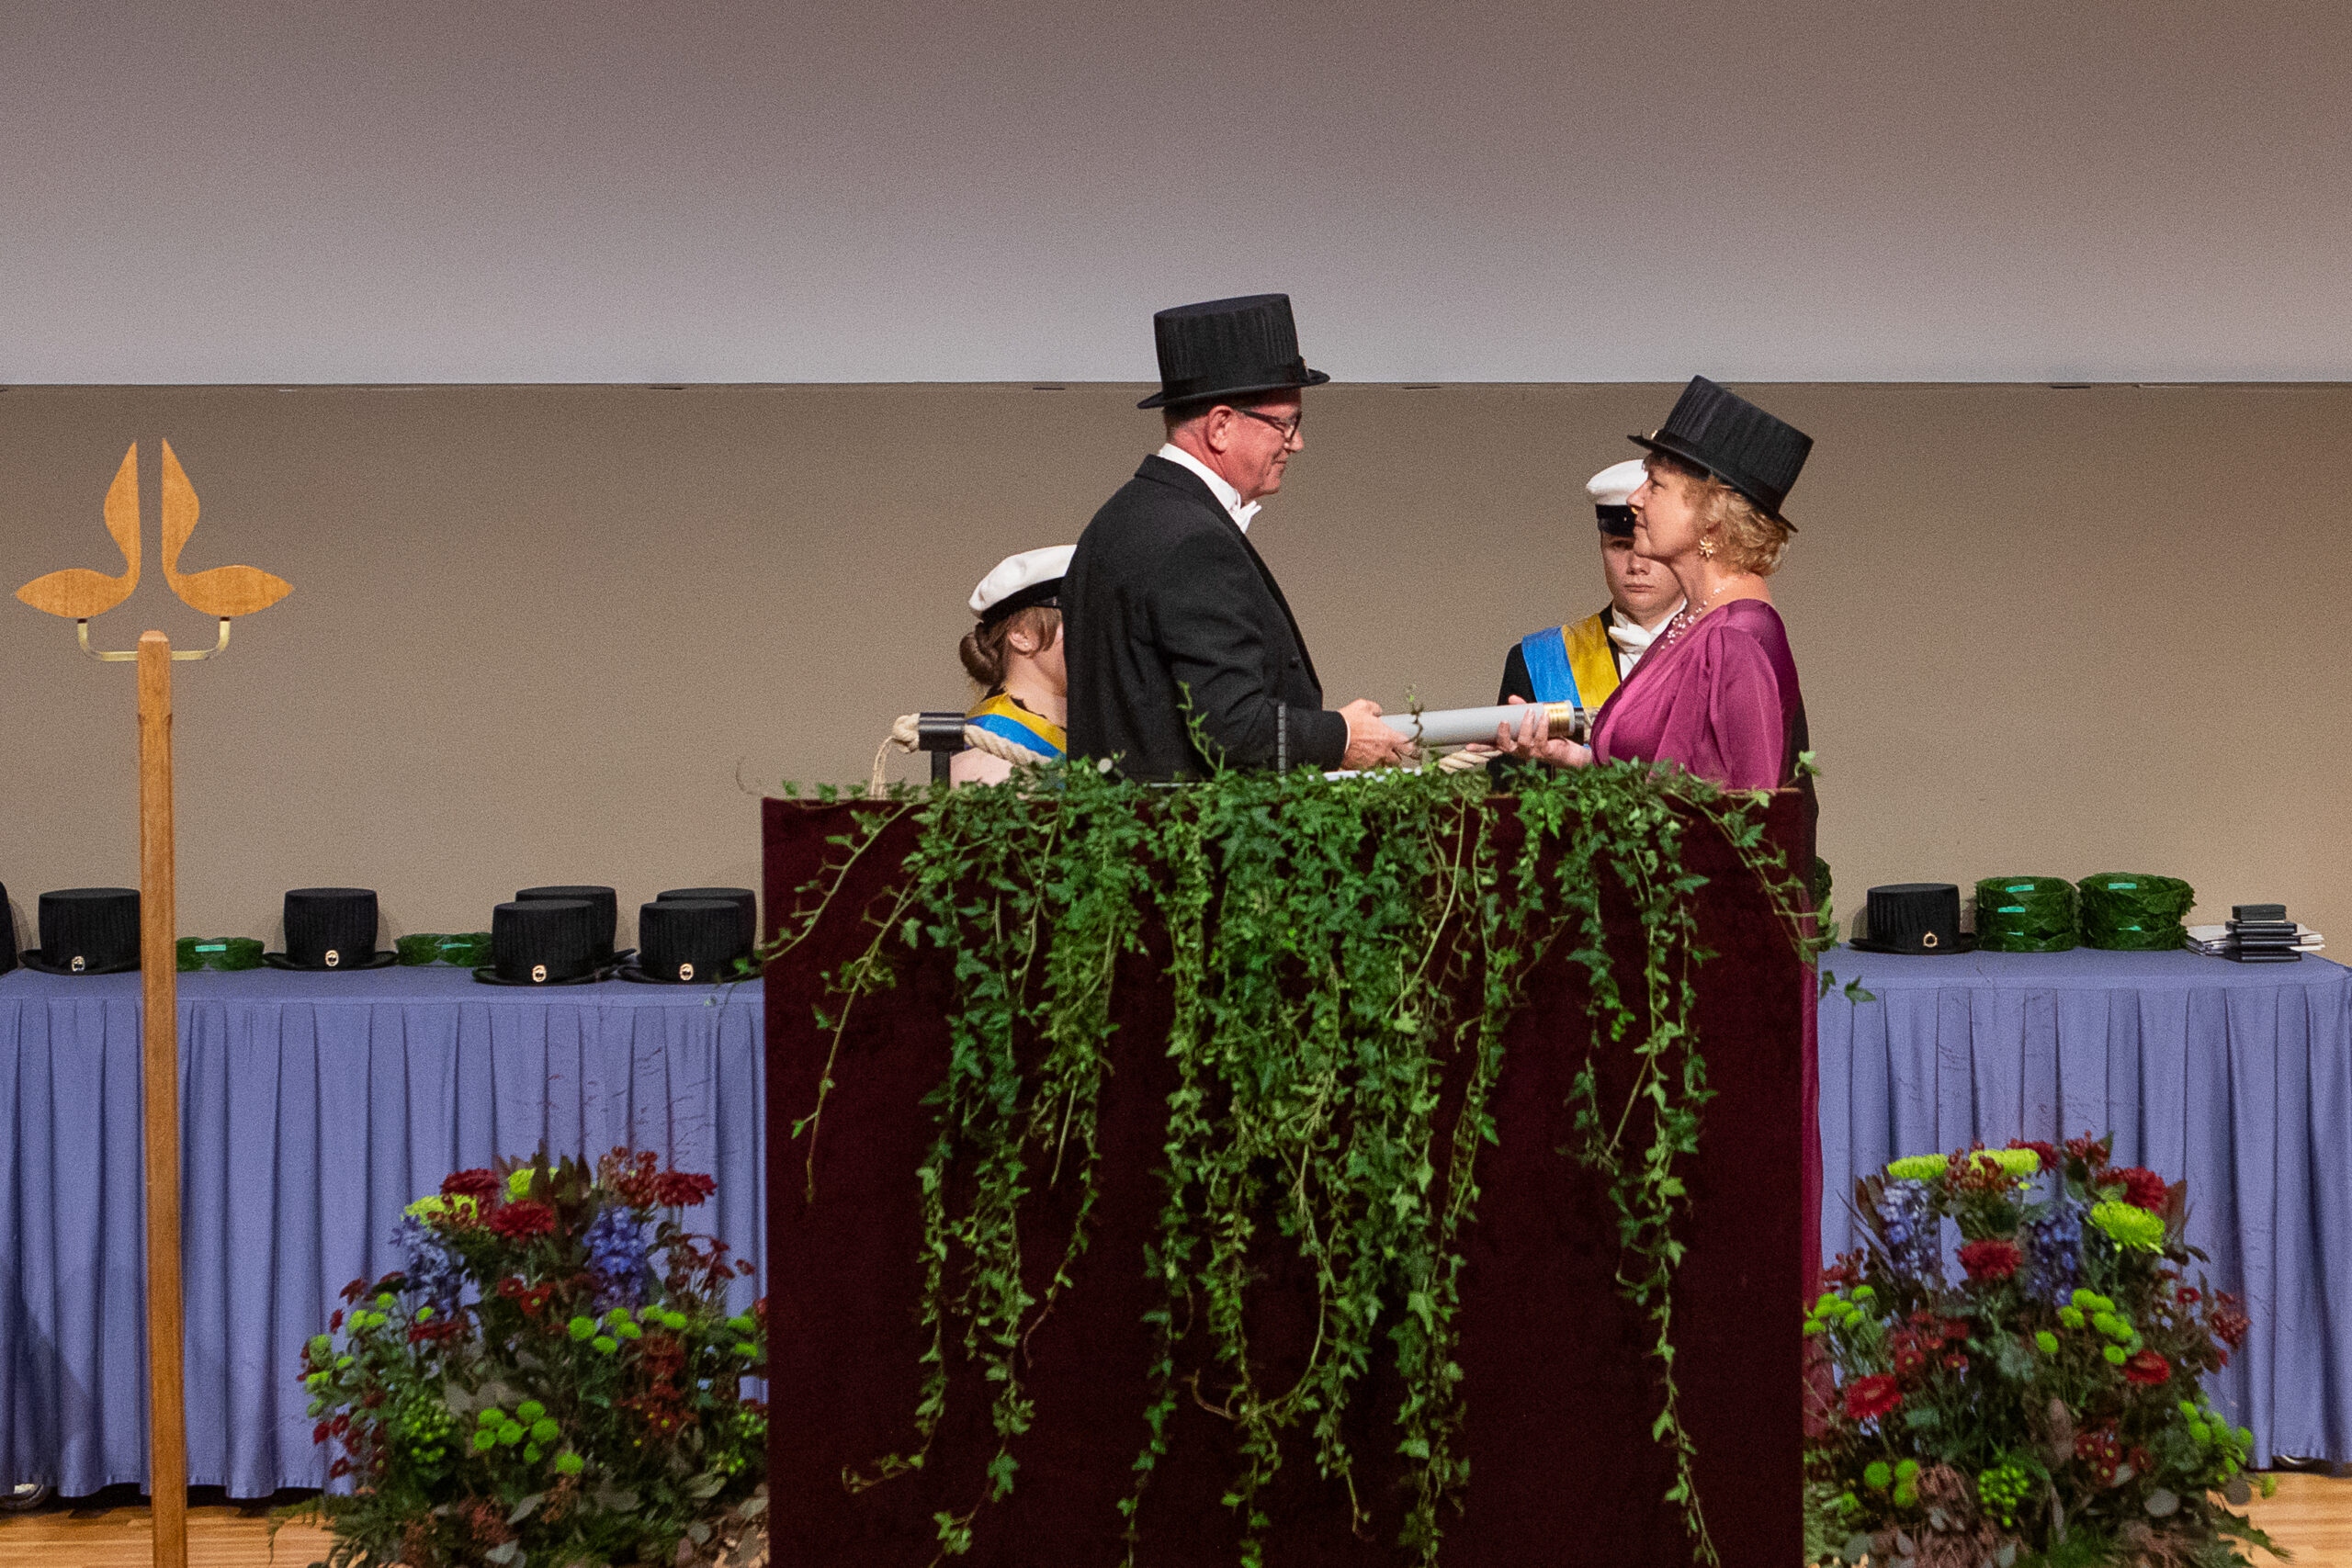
<point x="1014" y="656"/>
<point x="1583" y="662"/>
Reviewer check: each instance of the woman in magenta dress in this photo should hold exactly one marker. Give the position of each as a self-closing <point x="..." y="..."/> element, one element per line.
<point x="1718" y="692"/>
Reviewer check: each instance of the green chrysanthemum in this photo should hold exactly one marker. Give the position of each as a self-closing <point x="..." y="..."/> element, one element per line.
<point x="2017" y="1162"/>
<point x="1917" y="1168"/>
<point x="2128" y="1226"/>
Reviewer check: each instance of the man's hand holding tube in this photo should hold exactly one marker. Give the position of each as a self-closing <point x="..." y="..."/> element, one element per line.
<point x="1532" y="739"/>
<point x="1372" y="744"/>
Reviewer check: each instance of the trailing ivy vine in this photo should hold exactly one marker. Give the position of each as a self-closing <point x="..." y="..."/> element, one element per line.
<point x="1336" y="948"/>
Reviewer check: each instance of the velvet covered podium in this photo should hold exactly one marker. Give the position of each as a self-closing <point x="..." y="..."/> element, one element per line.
<point x="1559" y="1389"/>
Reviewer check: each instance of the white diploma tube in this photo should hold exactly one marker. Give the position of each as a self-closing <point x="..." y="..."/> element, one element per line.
<point x="1462" y="726"/>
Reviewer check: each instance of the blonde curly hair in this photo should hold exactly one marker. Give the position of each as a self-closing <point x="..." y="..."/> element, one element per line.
<point x="1749" y="538"/>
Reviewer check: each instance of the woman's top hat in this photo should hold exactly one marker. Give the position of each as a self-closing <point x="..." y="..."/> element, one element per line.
<point x="1228" y="348"/>
<point x="88" y="930"/>
<point x="684" y="940"/>
<point x="603" y="900"/>
<point x="1913" y="917"/>
<point x="1735" y="441"/>
<point x="331" y="928"/>
<point x="545" y="942"/>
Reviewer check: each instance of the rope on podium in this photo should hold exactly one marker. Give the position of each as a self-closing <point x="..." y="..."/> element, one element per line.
<point x="905" y="735"/>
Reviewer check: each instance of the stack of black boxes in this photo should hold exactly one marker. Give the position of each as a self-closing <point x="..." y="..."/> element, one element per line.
<point x="2260" y="933"/>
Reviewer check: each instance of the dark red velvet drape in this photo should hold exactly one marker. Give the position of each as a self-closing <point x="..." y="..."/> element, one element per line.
<point x="1560" y="1393"/>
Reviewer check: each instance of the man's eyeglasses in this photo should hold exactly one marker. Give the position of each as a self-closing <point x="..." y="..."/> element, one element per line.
<point x="1289" y="427"/>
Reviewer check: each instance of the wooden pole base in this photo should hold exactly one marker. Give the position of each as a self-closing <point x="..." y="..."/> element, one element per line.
<point x="160" y="1053"/>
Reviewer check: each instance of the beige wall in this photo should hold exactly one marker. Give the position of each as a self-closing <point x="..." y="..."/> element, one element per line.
<point x="538" y="633"/>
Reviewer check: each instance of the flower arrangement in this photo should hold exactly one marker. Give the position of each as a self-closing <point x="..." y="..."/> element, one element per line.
<point x="2042" y="1407"/>
<point x="553" y="1381"/>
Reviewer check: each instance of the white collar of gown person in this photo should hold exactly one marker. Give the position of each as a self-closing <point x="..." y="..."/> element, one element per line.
<point x="1226" y="496"/>
<point x="1632" y="638"/>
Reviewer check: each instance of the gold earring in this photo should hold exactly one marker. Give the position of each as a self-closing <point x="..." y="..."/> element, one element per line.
<point x="1707" y="549"/>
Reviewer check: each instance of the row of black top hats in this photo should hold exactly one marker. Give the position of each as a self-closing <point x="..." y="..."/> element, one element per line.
<point x="547" y="936"/>
<point x="563" y="936"/>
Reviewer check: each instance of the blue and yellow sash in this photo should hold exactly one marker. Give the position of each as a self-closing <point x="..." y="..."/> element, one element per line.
<point x="1572" y="664"/>
<point x="1000" y="715"/>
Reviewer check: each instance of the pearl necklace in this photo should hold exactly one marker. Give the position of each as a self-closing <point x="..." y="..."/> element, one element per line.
<point x="1685" y="619"/>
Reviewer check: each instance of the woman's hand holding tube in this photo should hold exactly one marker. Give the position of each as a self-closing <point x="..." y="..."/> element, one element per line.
<point x="1532" y="739"/>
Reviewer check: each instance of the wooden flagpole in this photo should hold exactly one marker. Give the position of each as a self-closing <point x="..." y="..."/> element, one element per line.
<point x="159" y="974"/>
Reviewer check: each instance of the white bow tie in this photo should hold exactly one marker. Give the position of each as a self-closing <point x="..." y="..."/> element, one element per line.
<point x="1242" y="514"/>
<point x="1634" y="638"/>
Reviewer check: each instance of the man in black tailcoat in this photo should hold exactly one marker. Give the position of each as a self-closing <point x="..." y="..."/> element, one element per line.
<point x="1169" y="614"/>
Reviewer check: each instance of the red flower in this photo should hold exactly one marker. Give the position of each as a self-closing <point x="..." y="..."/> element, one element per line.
<point x="2049" y="1153"/>
<point x="1955" y="1329"/>
<point x="1871" y="1396"/>
<point x="2147" y="1367"/>
<point x="521" y="1221"/>
<point x="2230" y="1325"/>
<point x="476" y="1183"/>
<point x="1954" y="1361"/>
<point x="2092" y="1152"/>
<point x="1989" y="1259"/>
<point x="1909" y="1358"/>
<point x="682" y="1189"/>
<point x="2102" y="1452"/>
<point x="2142" y="1187"/>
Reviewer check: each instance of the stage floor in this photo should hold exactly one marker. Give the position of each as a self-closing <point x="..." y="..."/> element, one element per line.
<point x="2311" y="1517"/>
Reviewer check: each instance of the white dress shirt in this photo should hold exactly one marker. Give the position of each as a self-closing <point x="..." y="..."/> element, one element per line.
<point x="1227" y="497"/>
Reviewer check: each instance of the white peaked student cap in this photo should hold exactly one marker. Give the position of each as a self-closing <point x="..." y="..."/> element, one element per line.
<point x="1033" y="577"/>
<point x="1615" y="485"/>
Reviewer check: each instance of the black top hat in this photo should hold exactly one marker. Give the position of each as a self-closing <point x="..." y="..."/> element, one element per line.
<point x="88" y="930"/>
<point x="1228" y="348"/>
<point x="7" y="932"/>
<point x="681" y="940"/>
<point x="1735" y="441"/>
<point x="1913" y="917"/>
<point x="742" y="897"/>
<point x="544" y="942"/>
<point x="331" y="928"/>
<point x="603" y="900"/>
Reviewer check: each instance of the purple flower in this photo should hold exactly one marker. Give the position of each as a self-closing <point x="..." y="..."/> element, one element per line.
<point x="1913" y="1231"/>
<point x="616" y="1243"/>
<point x="2053" y="1242"/>
<point x="434" y="1271"/>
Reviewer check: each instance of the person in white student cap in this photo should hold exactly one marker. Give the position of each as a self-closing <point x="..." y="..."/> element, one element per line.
<point x="1014" y="656"/>
<point x="1583" y="663"/>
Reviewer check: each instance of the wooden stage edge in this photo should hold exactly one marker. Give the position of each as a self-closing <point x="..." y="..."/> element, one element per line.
<point x="2311" y="1517"/>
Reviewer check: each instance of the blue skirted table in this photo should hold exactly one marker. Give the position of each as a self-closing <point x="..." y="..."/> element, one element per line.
<point x="314" y="1108"/>
<point x="2236" y="1077"/>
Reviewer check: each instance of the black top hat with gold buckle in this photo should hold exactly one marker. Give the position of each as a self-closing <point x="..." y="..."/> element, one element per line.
<point x="329" y="929"/>
<point x="681" y="941"/>
<point x="1917" y="917"/>
<point x="88" y="930"/>
<point x="546" y="941"/>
